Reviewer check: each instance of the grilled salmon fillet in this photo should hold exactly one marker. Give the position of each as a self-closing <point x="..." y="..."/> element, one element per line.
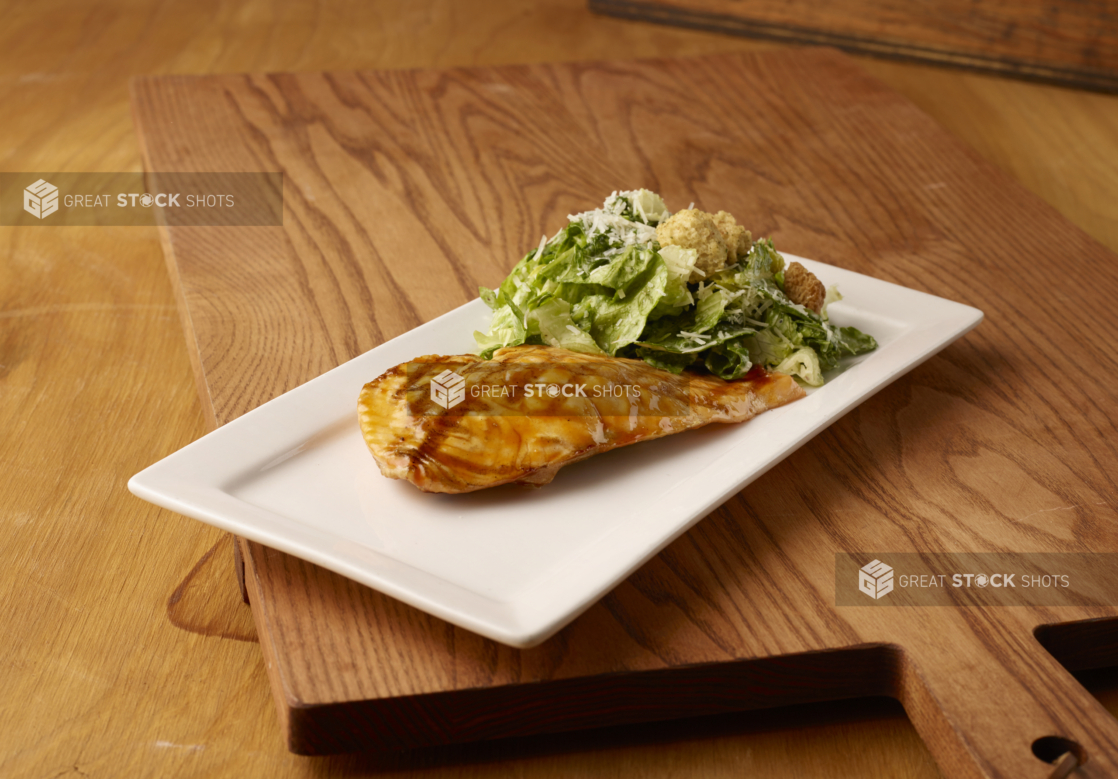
<point x="441" y="441"/>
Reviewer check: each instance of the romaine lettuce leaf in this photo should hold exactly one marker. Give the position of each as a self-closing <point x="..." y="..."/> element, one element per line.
<point x="729" y="360"/>
<point x="623" y="270"/>
<point x="677" y="295"/>
<point x="616" y="318"/>
<point x="668" y="361"/>
<point x="803" y="363"/>
<point x="507" y="330"/>
<point x="552" y="322"/>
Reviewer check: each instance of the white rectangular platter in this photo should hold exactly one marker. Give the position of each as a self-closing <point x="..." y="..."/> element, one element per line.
<point x="512" y="563"/>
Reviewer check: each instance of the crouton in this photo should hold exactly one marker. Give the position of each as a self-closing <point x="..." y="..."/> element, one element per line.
<point x="695" y="229"/>
<point x="738" y="239"/>
<point x="802" y="287"/>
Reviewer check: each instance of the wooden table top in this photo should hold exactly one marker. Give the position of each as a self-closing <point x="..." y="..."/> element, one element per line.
<point x="130" y="652"/>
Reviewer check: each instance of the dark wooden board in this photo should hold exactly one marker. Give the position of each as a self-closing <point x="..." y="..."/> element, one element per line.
<point x="405" y="190"/>
<point x="1069" y="43"/>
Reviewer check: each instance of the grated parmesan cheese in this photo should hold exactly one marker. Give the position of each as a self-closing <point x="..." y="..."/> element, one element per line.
<point x="618" y="228"/>
<point x="640" y="209"/>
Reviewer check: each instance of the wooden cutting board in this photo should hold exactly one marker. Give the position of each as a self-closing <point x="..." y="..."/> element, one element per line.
<point x="1071" y="43"/>
<point x="405" y="190"/>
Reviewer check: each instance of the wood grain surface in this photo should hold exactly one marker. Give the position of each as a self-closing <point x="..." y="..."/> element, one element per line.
<point x="408" y="189"/>
<point x="115" y="611"/>
<point x="1074" y="44"/>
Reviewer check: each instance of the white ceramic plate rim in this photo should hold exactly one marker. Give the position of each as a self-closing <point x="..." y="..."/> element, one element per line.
<point x="207" y="479"/>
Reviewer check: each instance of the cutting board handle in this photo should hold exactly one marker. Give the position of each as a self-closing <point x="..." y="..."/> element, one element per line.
<point x="990" y="704"/>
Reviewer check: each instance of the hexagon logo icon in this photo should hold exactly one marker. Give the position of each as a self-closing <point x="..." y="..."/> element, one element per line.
<point x="448" y="389"/>
<point x="875" y="579"/>
<point x="40" y="199"/>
